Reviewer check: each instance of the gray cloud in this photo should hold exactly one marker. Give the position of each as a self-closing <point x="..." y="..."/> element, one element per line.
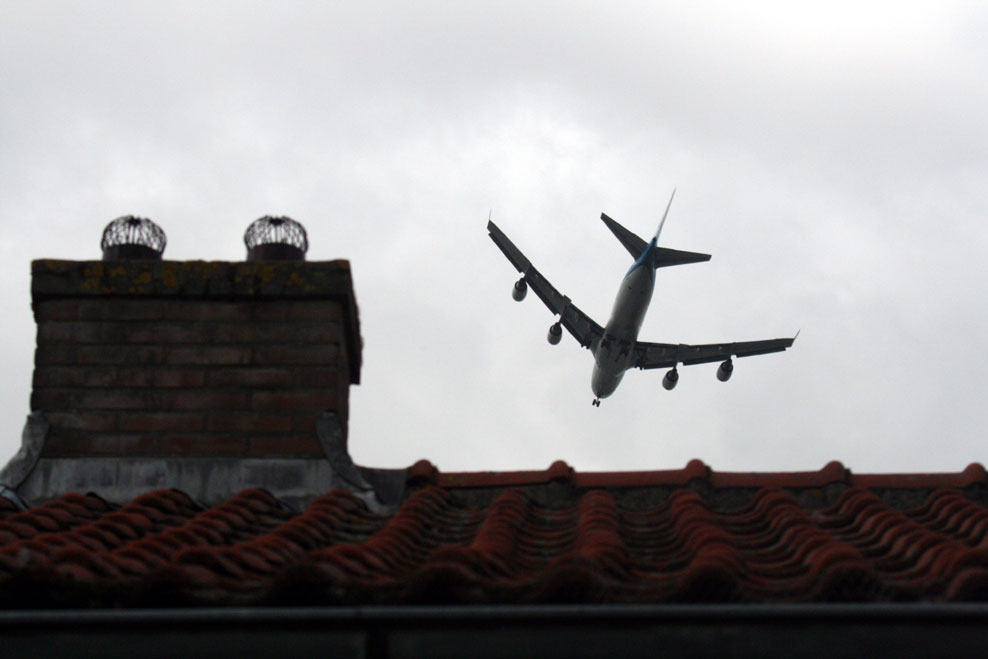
<point x="833" y="163"/>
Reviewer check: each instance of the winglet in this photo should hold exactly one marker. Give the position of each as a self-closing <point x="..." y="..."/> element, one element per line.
<point x="664" y="215"/>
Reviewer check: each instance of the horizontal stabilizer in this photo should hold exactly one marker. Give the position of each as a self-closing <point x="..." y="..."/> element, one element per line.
<point x="631" y="242"/>
<point x="663" y="257"/>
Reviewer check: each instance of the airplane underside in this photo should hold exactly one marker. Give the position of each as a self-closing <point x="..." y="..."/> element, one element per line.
<point x="604" y="382"/>
<point x="614" y="352"/>
<point x="616" y="347"/>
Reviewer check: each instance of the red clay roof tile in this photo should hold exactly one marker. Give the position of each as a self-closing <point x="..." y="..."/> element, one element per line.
<point x="557" y="535"/>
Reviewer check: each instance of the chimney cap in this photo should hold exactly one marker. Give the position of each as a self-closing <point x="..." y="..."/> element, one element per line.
<point x="131" y="237"/>
<point x="272" y="238"/>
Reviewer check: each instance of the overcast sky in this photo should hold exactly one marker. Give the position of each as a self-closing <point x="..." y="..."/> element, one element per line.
<point x="834" y="160"/>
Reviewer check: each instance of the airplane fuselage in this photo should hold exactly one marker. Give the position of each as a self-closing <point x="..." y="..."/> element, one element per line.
<point x="616" y="347"/>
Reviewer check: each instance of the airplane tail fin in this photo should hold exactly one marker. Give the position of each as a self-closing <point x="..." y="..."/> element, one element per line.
<point x="661" y="256"/>
<point x="665" y="215"/>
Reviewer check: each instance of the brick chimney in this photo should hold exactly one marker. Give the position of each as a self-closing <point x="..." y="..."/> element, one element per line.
<point x="191" y="358"/>
<point x="220" y="370"/>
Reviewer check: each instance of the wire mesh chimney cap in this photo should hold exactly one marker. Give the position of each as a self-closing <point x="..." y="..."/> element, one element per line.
<point x="276" y="239"/>
<point x="130" y="237"/>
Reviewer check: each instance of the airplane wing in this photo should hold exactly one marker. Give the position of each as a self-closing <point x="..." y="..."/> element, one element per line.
<point x="667" y="355"/>
<point x="577" y="323"/>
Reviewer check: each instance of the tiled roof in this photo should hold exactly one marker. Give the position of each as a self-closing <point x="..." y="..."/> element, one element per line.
<point x="690" y="535"/>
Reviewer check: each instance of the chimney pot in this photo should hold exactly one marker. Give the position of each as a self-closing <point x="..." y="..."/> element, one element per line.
<point x="276" y="239"/>
<point x="135" y="238"/>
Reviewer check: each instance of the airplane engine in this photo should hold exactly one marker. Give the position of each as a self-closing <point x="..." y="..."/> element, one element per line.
<point x="725" y="370"/>
<point x="520" y="290"/>
<point x="555" y="333"/>
<point x="671" y="379"/>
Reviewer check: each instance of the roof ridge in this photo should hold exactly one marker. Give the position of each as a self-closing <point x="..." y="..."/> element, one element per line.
<point x="423" y="472"/>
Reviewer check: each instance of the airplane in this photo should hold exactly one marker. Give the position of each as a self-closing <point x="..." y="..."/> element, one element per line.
<point x="615" y="346"/>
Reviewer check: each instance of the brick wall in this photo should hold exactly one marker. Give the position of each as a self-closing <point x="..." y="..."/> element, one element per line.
<point x="192" y="358"/>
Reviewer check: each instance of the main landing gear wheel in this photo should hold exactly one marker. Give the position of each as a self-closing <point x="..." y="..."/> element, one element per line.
<point x="596" y="402"/>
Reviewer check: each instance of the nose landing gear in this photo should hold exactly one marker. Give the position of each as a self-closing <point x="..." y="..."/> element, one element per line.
<point x="596" y="402"/>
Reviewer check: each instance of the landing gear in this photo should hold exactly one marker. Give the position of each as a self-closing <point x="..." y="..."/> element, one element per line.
<point x="596" y="402"/>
